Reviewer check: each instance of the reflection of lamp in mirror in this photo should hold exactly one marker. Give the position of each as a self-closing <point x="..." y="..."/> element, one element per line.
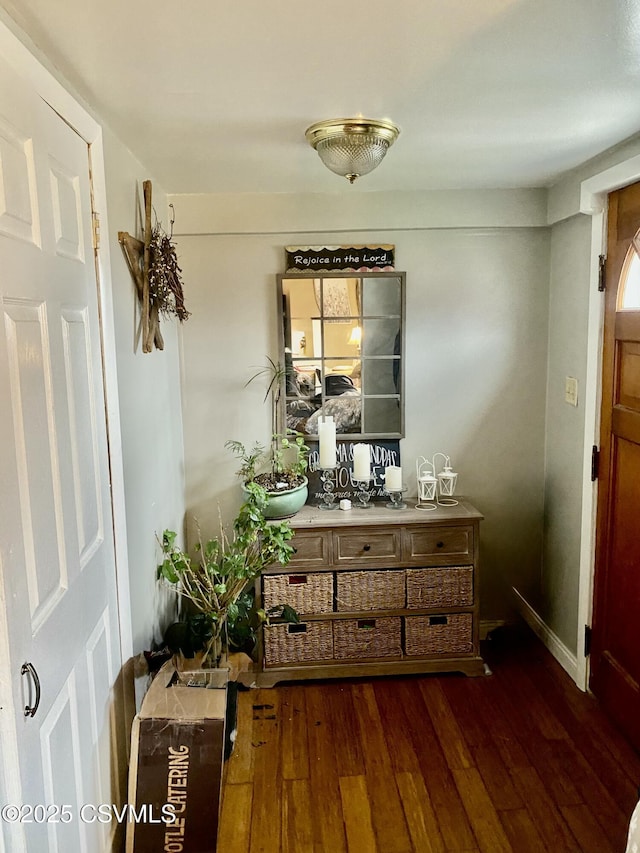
<point x="355" y="339"/>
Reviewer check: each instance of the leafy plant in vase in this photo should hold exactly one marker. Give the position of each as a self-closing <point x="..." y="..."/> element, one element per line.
<point x="286" y="461"/>
<point x="285" y="481"/>
<point x="226" y="566"/>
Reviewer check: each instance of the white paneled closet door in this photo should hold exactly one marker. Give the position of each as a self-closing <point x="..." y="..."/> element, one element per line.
<point x="58" y="603"/>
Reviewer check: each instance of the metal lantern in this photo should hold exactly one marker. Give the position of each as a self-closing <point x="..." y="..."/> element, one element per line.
<point x="435" y="487"/>
<point x="427" y="484"/>
<point x="447" y="481"/>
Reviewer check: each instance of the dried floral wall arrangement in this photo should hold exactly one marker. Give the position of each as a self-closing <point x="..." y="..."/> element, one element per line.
<point x="153" y="265"/>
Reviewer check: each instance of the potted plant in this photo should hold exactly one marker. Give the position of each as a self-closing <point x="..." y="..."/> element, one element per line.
<point x="225" y="567"/>
<point x="284" y="479"/>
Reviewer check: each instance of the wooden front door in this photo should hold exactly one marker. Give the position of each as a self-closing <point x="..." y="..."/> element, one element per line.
<point x="615" y="660"/>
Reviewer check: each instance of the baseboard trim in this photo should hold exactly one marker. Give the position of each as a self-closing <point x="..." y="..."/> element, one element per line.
<point x="561" y="653"/>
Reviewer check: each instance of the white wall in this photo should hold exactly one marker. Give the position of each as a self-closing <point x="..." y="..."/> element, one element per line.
<point x="574" y="350"/>
<point x="150" y="406"/>
<point x="568" y="325"/>
<point x="476" y="342"/>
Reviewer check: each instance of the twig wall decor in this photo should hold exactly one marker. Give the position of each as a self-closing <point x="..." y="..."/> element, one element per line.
<point x="153" y="265"/>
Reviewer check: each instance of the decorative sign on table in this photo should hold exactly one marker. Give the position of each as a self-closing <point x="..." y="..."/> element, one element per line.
<point x="337" y="258"/>
<point x="383" y="454"/>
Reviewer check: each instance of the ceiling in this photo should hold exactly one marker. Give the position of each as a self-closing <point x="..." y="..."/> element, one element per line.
<point x="215" y="96"/>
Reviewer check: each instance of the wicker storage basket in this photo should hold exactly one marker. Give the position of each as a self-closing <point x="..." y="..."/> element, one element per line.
<point x="439" y="635"/>
<point x="367" y="638"/>
<point x="297" y="643"/>
<point x="370" y="590"/>
<point x="440" y="586"/>
<point x="306" y="593"/>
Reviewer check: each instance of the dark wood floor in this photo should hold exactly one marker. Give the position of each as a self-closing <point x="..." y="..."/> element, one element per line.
<point x="518" y="761"/>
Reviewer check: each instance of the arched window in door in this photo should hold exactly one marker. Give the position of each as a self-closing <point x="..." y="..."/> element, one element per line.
<point x="629" y="289"/>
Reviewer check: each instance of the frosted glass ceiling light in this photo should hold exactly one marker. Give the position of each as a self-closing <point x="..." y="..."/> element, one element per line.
<point x="352" y="147"/>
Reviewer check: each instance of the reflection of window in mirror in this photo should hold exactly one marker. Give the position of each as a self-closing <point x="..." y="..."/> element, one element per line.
<point x="342" y="345"/>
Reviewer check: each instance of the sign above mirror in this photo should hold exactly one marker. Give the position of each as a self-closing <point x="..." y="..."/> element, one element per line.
<point x="340" y="258"/>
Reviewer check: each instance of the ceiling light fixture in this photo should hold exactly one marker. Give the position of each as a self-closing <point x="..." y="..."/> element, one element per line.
<point x="352" y="147"/>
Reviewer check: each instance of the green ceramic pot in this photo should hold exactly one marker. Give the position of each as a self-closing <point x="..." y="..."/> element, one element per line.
<point x="286" y="503"/>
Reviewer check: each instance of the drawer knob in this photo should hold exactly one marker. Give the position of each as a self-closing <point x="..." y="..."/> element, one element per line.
<point x="439" y="544"/>
<point x="366" y="547"/>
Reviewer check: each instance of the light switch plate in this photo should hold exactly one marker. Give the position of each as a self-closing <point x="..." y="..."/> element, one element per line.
<point x="571" y="391"/>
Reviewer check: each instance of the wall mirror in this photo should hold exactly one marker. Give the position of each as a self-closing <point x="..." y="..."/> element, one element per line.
<point x="342" y="344"/>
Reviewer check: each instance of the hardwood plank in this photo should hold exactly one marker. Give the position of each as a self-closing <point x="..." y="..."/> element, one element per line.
<point x="327" y="818"/>
<point x="389" y="823"/>
<point x="543" y="811"/>
<point x="357" y="811"/>
<point x="613" y="819"/>
<point x="540" y="751"/>
<point x="297" y="807"/>
<point x="483" y="817"/>
<point x="479" y="738"/>
<point x="293" y="720"/>
<point x="533" y="704"/>
<point x="451" y="739"/>
<point x="267" y="771"/>
<point x="498" y="723"/>
<point x="396" y="723"/>
<point x="587" y="830"/>
<point x="421" y="819"/>
<point x="521" y="831"/>
<point x="345" y="728"/>
<point x="496" y="778"/>
<point x="452" y="818"/>
<point x="234" y="832"/>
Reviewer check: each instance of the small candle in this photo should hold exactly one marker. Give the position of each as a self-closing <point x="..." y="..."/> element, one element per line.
<point x="393" y="478"/>
<point x="361" y="462"/>
<point x="327" y="437"/>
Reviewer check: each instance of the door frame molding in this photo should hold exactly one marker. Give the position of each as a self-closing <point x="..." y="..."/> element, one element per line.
<point x="594" y="193"/>
<point x="34" y="67"/>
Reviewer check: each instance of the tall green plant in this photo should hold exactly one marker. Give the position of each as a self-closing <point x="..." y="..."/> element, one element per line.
<point x="226" y="565"/>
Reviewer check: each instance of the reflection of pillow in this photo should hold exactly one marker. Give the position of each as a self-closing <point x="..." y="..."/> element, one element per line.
<point x="337" y="383"/>
<point x="346" y="411"/>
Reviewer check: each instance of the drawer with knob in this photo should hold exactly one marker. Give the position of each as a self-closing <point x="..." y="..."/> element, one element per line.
<point x="367" y="547"/>
<point x="311" y="548"/>
<point x="439" y="545"/>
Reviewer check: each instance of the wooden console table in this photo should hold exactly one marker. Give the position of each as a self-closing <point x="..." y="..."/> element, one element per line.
<point x="379" y="592"/>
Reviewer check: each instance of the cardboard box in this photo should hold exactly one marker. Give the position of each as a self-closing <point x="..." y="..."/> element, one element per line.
<point x="177" y="745"/>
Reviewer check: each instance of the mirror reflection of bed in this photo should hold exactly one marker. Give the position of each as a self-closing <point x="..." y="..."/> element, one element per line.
<point x="342" y="400"/>
<point x="342" y="348"/>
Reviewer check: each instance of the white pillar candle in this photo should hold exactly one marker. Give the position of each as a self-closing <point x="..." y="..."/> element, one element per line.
<point x="361" y="462"/>
<point x="327" y="437"/>
<point x="393" y="478"/>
